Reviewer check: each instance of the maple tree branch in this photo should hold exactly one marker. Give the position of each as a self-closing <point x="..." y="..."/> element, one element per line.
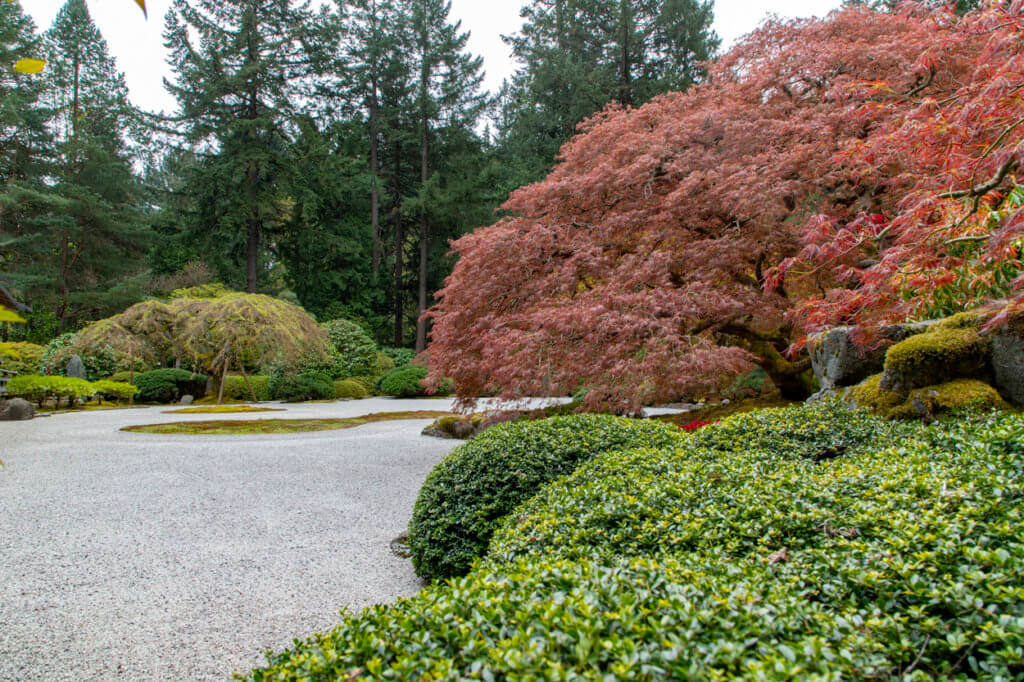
<point x="985" y="187"/>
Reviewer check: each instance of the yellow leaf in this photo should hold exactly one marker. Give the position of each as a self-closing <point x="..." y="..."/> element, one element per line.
<point x="29" y="65"/>
<point x="142" y="4"/>
<point x="10" y="316"/>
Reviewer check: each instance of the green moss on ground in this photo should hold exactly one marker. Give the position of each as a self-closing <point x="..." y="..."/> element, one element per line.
<point x="240" y="427"/>
<point x="215" y="409"/>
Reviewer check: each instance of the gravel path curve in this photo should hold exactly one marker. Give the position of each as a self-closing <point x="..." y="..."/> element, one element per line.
<point x="138" y="556"/>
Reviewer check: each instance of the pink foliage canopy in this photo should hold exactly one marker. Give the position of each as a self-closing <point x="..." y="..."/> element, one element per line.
<point x="645" y="266"/>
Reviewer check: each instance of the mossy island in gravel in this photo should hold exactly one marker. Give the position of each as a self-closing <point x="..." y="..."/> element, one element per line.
<point x="269" y="426"/>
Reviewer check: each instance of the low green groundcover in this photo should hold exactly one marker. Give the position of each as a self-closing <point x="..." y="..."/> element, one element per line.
<point x="899" y="555"/>
<point x="220" y="427"/>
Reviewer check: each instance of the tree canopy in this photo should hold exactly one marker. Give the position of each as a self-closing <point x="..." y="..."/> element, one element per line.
<point x="644" y="261"/>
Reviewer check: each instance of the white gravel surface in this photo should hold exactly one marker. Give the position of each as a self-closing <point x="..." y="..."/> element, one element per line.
<point x="138" y="556"/>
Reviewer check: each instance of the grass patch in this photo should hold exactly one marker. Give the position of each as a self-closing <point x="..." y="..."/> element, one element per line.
<point x="239" y="427"/>
<point x="215" y="409"/>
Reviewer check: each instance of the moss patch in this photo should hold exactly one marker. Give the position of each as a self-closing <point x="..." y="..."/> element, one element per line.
<point x="926" y="402"/>
<point x="239" y="427"/>
<point x="944" y="353"/>
<point x="714" y="413"/>
<point x="215" y="409"/>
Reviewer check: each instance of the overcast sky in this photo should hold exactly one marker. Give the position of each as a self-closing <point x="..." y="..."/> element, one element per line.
<point x="137" y="44"/>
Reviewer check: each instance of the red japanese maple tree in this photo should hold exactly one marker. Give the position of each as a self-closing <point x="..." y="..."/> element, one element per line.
<point x="640" y="267"/>
<point x="953" y="238"/>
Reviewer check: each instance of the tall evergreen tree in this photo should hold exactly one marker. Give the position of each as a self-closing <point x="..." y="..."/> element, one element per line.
<point x="77" y="232"/>
<point x="448" y="101"/>
<point x="242" y="69"/>
<point x="576" y="56"/>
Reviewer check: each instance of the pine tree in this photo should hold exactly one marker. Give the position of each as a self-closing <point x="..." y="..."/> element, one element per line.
<point x="242" y="69"/>
<point x="576" y="56"/>
<point x="77" y="232"/>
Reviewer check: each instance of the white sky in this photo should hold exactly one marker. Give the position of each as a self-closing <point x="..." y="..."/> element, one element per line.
<point x="137" y="43"/>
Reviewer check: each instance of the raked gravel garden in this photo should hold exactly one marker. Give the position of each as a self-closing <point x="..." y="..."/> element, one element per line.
<point x="141" y="556"/>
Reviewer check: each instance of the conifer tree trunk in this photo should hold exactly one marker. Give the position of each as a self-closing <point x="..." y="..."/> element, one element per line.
<point x="374" y="174"/>
<point x="421" y="323"/>
<point x="399" y="247"/>
<point x="625" y="84"/>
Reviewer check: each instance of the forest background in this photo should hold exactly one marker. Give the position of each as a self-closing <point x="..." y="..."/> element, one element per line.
<point x="325" y="156"/>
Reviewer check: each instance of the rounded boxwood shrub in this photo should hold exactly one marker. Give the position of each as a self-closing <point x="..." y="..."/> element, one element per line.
<point x="168" y="385"/>
<point x="21" y="357"/>
<point x="902" y="560"/>
<point x="347" y="388"/>
<point x="467" y="494"/>
<point x="295" y="388"/>
<point x="404" y="382"/>
<point x="235" y="387"/>
<point x="356" y="351"/>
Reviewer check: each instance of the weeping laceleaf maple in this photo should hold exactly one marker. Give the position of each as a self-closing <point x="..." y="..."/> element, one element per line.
<point x="638" y="267"/>
<point x="953" y="240"/>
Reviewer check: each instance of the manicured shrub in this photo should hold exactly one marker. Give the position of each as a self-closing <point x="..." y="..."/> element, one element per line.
<point x="902" y="560"/>
<point x="404" y="382"/>
<point x="37" y="388"/>
<point x="481" y="481"/>
<point x="115" y="390"/>
<point x="382" y="366"/>
<point x="296" y="388"/>
<point x="356" y="351"/>
<point x="347" y="388"/>
<point x="235" y="387"/>
<point x="31" y="387"/>
<point x="367" y="382"/>
<point x="400" y="356"/>
<point x="168" y="385"/>
<point x="124" y="376"/>
<point x="21" y="357"/>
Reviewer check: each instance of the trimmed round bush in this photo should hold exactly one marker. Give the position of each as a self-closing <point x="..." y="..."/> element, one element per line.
<point x="404" y="382"/>
<point x="898" y="560"/>
<point x="169" y="385"/>
<point x="115" y="390"/>
<point x="470" y="491"/>
<point x="356" y="351"/>
<point x="235" y="387"/>
<point x="347" y="388"/>
<point x="383" y="365"/>
<point x="296" y="388"/>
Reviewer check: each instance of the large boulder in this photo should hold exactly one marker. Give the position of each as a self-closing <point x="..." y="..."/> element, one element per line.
<point x="1008" y="364"/>
<point x="950" y="349"/>
<point x="16" y="409"/>
<point x="926" y="403"/>
<point x="838" y="360"/>
<point x="75" y="368"/>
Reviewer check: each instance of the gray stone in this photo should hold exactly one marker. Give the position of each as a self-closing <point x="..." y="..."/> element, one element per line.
<point x="16" y="409"/>
<point x="838" y="361"/>
<point x="823" y="394"/>
<point x="186" y="400"/>
<point x="75" y="368"/>
<point x="1008" y="365"/>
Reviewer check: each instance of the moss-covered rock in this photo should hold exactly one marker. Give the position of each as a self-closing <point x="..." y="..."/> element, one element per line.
<point x="927" y="402"/>
<point x="951" y="349"/>
<point x="952" y="396"/>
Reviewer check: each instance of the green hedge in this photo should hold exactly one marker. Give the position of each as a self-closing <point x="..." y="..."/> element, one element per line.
<point x="404" y="382"/>
<point x="168" y="385"/>
<point x="299" y="387"/>
<point x="115" y="390"/>
<point x="348" y="388"/>
<point x="39" y="389"/>
<point x="467" y="494"/>
<point x="899" y="559"/>
<point x="235" y="387"/>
